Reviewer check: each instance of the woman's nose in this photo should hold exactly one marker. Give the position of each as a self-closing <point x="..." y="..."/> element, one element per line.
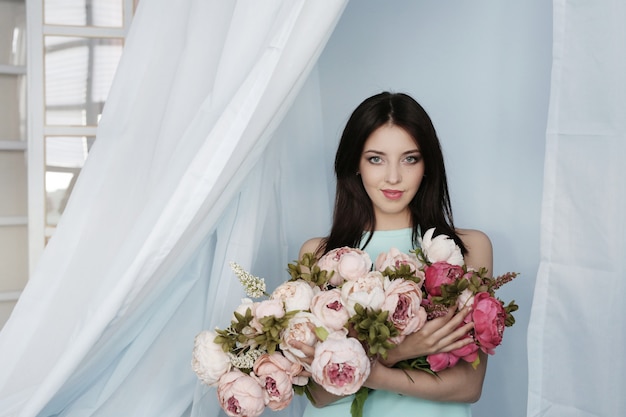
<point x="393" y="175"/>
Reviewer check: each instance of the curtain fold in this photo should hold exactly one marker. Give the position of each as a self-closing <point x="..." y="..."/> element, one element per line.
<point x="576" y="332"/>
<point x="176" y="185"/>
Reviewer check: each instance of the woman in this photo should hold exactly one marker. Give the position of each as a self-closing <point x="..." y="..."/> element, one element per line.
<point x="391" y="186"/>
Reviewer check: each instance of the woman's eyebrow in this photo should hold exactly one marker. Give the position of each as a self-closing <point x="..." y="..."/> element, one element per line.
<point x="416" y="150"/>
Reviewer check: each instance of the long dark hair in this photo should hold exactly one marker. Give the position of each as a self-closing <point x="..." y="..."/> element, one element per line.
<point x="354" y="211"/>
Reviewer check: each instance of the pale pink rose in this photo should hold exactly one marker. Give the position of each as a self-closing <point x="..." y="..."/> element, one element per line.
<point x="240" y="395"/>
<point x="367" y="291"/>
<point x="394" y="259"/>
<point x="267" y="308"/>
<point x="301" y="328"/>
<point x="209" y="361"/>
<point x="296" y="295"/>
<point x="441" y="249"/>
<point x="328" y="307"/>
<point x="440" y="273"/>
<point x="403" y="301"/>
<point x="489" y="320"/>
<point x="340" y="364"/>
<point x="347" y="264"/>
<point x="276" y="375"/>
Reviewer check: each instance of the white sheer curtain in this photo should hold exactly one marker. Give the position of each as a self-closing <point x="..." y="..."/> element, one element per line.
<point x="577" y="334"/>
<point x="179" y="183"/>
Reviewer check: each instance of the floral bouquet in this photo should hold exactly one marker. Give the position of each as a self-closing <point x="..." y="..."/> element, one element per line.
<point x="351" y="311"/>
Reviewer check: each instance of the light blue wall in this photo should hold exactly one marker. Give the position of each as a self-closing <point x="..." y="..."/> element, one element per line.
<point x="482" y="70"/>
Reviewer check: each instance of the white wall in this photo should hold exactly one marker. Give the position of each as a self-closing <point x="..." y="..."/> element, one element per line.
<point x="482" y="70"/>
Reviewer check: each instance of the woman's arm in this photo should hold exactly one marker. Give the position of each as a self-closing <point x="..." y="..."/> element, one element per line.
<point x="460" y="383"/>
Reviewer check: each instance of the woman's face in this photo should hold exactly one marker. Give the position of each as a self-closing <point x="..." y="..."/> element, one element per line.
<point x="391" y="169"/>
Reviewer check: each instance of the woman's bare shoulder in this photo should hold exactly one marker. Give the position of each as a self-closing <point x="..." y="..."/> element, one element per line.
<point x="479" y="249"/>
<point x="473" y="237"/>
<point x="311" y="245"/>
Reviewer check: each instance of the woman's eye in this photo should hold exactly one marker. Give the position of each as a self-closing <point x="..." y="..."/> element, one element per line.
<point x="375" y="159"/>
<point x="413" y="159"/>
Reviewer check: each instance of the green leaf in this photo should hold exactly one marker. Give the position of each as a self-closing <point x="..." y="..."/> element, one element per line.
<point x="321" y="333"/>
<point x="356" y="409"/>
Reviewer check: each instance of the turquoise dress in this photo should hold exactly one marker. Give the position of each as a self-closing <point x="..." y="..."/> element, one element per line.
<point x="386" y="403"/>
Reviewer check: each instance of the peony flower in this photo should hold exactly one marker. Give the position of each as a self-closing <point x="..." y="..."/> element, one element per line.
<point x="246" y="303"/>
<point x="440" y="361"/>
<point x="394" y="259"/>
<point x="466" y="298"/>
<point x="440" y="273"/>
<point x="367" y="291"/>
<point x="266" y="308"/>
<point x="348" y="264"/>
<point x="340" y="364"/>
<point x="441" y="249"/>
<point x="296" y="295"/>
<point x="301" y="328"/>
<point x="469" y="352"/>
<point x="403" y="299"/>
<point x="276" y="374"/>
<point x="208" y="360"/>
<point x="328" y="307"/>
<point x="489" y="320"/>
<point x="240" y="395"/>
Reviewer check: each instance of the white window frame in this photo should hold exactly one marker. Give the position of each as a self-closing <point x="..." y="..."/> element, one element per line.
<point x="36" y="128"/>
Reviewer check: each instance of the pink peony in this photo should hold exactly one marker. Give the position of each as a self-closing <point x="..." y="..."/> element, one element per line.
<point x="394" y="259"/>
<point x="469" y="352"/>
<point x="440" y="361"/>
<point x="340" y="364"/>
<point x="489" y="320"/>
<point x="266" y="308"/>
<point x="367" y="291"/>
<point x="348" y="264"/>
<point x="240" y="395"/>
<point x="403" y="300"/>
<point x="328" y="307"/>
<point x="440" y="273"/>
<point x="301" y="328"/>
<point x="276" y="374"/>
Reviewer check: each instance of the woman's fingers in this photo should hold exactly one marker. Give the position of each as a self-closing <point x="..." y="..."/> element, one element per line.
<point x="308" y="351"/>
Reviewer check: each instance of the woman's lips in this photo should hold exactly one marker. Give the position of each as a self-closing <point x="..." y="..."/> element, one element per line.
<point x="392" y="194"/>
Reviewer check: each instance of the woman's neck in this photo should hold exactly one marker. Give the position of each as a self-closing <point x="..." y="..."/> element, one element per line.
<point x="393" y="222"/>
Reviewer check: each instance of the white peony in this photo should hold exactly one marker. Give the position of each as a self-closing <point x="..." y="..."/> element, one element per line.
<point x="441" y="249"/>
<point x="367" y="291"/>
<point x="296" y="295"/>
<point x="208" y="360"/>
<point x="301" y="327"/>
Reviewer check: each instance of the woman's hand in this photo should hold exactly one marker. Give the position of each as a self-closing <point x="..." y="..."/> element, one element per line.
<point x="439" y="335"/>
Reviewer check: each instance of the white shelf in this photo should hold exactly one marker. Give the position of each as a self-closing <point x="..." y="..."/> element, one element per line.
<point x="13" y="221"/>
<point x="13" y="145"/>
<point x="12" y="69"/>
